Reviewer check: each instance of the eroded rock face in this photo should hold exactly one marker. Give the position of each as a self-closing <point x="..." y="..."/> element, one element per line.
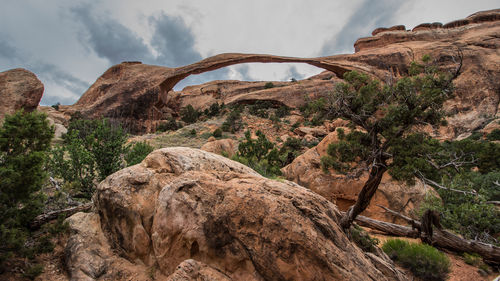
<point x="19" y="89"/>
<point x="226" y="146"/>
<point x="306" y="170"/>
<point x="194" y="213"/>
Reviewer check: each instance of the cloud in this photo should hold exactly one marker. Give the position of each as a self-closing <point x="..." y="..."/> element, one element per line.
<point x="368" y="16"/>
<point x="173" y="41"/>
<point x="292" y="72"/>
<point x="48" y="73"/>
<point x="108" y="38"/>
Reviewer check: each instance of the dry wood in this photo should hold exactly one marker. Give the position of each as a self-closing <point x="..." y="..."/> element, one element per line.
<point x="441" y="238"/>
<point x="43" y="218"/>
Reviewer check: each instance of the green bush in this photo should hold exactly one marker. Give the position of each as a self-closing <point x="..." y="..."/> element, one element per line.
<point x="269" y="85"/>
<point x="260" y="108"/>
<point x="170" y="125"/>
<point x="217" y="133"/>
<point x="137" y="152"/>
<point x="33" y="271"/>
<point x="473" y="259"/>
<point x="283" y="111"/>
<point x="424" y="261"/>
<point x="189" y="114"/>
<point x="494" y="135"/>
<point x="233" y="122"/>
<point x="363" y="240"/>
<point x="92" y="150"/>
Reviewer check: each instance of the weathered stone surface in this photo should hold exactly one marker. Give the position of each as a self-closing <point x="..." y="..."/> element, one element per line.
<point x="227" y="146"/>
<point x="19" y="89"/>
<point x="306" y="170"/>
<point x="183" y="204"/>
<point x="194" y="270"/>
<point x="315" y="131"/>
<point x="87" y="255"/>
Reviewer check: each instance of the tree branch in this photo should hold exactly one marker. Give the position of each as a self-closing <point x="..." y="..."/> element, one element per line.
<point x="433" y="183"/>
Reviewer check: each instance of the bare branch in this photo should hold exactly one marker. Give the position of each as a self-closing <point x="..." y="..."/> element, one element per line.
<point x="435" y="184"/>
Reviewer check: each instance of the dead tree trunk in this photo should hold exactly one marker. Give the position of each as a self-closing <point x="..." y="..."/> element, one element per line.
<point x="365" y="196"/>
<point x="441" y="238"/>
<point x="43" y="218"/>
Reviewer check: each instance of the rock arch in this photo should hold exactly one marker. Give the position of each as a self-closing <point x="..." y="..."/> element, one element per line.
<point x="223" y="60"/>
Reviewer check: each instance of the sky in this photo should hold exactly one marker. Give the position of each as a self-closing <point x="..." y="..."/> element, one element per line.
<point x="69" y="44"/>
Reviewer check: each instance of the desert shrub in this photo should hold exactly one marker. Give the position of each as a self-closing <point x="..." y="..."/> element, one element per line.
<point x="33" y="271"/>
<point x="260" y="108"/>
<point x="91" y="150"/>
<point x="214" y="110"/>
<point x="294" y="126"/>
<point x="24" y="144"/>
<point x="473" y="259"/>
<point x="170" y="125"/>
<point x="424" y="261"/>
<point x="494" y="135"/>
<point x="269" y="85"/>
<point x="217" y="133"/>
<point x="189" y="114"/>
<point x="233" y="122"/>
<point x="56" y="106"/>
<point x="137" y="152"/>
<point x="363" y="239"/>
<point x="192" y="132"/>
<point x="260" y="155"/>
<point x="282" y="111"/>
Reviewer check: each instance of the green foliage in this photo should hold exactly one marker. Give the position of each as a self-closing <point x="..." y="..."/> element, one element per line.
<point x="363" y="240"/>
<point x="316" y="108"/>
<point x="192" y="132"/>
<point x="387" y="116"/>
<point x="260" y="108"/>
<point x="33" y="271"/>
<point x="92" y="149"/>
<point x="214" y="110"/>
<point x="189" y="114"/>
<point x="473" y="259"/>
<point x="283" y="111"/>
<point x="137" y="152"/>
<point x="170" y="125"/>
<point x="24" y="143"/>
<point x="217" y="133"/>
<point x="269" y="85"/>
<point x="233" y="122"/>
<point x="56" y="106"/>
<point x="494" y="135"/>
<point x="260" y="155"/>
<point x="424" y="261"/>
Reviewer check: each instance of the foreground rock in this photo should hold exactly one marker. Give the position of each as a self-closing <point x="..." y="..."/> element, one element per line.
<point x="195" y="214"/>
<point x="19" y="89"/>
<point x="343" y="191"/>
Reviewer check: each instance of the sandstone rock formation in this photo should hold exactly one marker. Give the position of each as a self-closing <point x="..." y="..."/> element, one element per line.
<point x="193" y="213"/>
<point x="343" y="191"/>
<point x="19" y="89"/>
<point x="226" y="146"/>
<point x="139" y="95"/>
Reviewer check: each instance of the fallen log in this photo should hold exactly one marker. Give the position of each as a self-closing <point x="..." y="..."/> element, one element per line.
<point x="44" y="218"/>
<point x="441" y="238"/>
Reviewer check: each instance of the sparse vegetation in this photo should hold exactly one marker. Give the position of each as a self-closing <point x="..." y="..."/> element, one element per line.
<point x="189" y="114"/>
<point x="424" y="261"/>
<point x="363" y="239"/>
<point x="170" y="125"/>
<point x="137" y="152"/>
<point x="269" y="85"/>
<point x="217" y="133"/>
<point x="494" y="135"/>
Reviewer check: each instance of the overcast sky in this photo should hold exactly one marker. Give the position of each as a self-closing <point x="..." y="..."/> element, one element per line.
<point x="69" y="44"/>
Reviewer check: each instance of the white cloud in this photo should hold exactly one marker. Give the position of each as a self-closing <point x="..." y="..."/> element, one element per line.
<point x="47" y="37"/>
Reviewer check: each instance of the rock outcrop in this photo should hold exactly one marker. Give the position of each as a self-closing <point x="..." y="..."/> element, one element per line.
<point x="343" y="191"/>
<point x="222" y="146"/>
<point x="193" y="213"/>
<point x="19" y="89"/>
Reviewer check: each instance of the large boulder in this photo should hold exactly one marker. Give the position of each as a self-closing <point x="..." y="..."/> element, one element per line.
<point x="19" y="89"/>
<point x="193" y="214"/>
<point x="306" y="170"/>
<point x="222" y="146"/>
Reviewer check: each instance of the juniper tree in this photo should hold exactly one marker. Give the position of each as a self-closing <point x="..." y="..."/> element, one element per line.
<point x="384" y="119"/>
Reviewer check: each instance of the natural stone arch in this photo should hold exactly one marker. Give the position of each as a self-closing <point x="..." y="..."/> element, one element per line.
<point x="223" y="60"/>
